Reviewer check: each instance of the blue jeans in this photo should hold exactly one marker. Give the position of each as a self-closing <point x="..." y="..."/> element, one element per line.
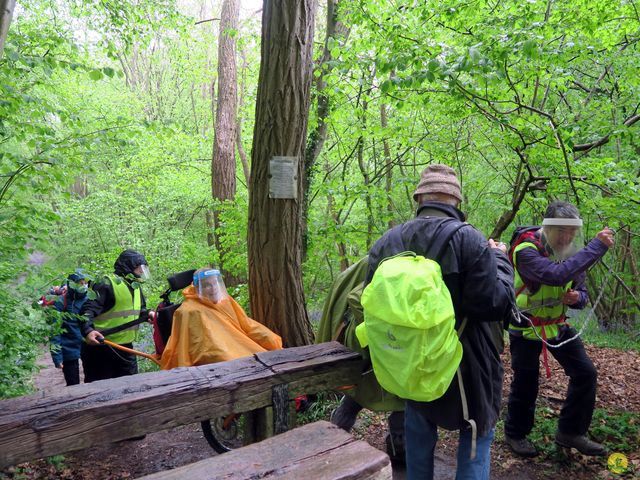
<point x="421" y="437"/>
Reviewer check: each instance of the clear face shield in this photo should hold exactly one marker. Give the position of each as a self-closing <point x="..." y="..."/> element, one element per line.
<point x="210" y="286"/>
<point x="142" y="272"/>
<point x="562" y="237"/>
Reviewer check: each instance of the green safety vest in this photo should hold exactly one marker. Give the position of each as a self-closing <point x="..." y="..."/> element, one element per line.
<point x="125" y="309"/>
<point x="543" y="306"/>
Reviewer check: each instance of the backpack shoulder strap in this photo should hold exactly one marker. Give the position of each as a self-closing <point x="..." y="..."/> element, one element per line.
<point x="526" y="234"/>
<point x="446" y="230"/>
<point x="395" y="235"/>
<point x="441" y="241"/>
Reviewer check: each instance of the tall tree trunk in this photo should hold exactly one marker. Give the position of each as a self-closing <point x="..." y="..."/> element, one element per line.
<point x="223" y="165"/>
<point x="524" y="179"/>
<point x="241" y="152"/>
<point x="6" y="13"/>
<point x="366" y="181"/>
<point x="80" y="187"/>
<point x="211" y="227"/>
<point x="275" y="225"/>
<point x="366" y="177"/>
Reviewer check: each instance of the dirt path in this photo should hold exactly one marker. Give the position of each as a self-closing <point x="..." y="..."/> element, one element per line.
<point x="618" y="390"/>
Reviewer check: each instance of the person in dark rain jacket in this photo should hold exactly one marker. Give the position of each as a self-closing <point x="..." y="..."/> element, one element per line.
<point x="479" y="278"/>
<point x="119" y="301"/>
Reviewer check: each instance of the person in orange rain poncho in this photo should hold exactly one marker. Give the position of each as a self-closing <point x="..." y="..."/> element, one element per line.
<point x="211" y="327"/>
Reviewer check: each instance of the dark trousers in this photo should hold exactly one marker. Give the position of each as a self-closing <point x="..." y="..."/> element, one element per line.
<point x="101" y="362"/>
<point x="575" y="416"/>
<point x="71" y="372"/>
<point x="346" y="413"/>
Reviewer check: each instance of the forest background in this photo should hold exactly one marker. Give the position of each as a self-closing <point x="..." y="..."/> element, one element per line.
<point x="108" y="116"/>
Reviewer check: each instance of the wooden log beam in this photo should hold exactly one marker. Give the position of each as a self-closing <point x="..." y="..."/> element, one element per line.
<point x="315" y="450"/>
<point x="54" y="422"/>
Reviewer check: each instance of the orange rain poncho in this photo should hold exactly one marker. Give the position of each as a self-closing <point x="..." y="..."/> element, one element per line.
<point x="205" y="332"/>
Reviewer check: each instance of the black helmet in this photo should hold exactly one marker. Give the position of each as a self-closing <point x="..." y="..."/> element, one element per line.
<point x="128" y="261"/>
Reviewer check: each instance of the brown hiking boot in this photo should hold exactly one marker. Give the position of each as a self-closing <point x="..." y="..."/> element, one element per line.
<point x="582" y="443"/>
<point x="521" y="446"/>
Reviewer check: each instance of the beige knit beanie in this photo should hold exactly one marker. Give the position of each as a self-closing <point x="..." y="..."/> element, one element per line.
<point x="438" y="179"/>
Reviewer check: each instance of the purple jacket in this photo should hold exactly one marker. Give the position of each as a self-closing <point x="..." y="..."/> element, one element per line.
<point x="536" y="269"/>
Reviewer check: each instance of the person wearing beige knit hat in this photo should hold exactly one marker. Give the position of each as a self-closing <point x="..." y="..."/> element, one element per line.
<point x="479" y="279"/>
<point x="438" y="179"/>
<point x="439" y="183"/>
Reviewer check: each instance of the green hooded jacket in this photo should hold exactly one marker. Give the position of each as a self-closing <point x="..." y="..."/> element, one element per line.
<point x="343" y="303"/>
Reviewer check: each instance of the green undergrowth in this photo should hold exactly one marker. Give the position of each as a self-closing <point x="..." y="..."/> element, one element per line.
<point x="620" y="340"/>
<point x="320" y="408"/>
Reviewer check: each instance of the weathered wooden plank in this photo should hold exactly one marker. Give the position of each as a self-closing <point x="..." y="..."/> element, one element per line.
<point x="318" y="450"/>
<point x="54" y="422"/>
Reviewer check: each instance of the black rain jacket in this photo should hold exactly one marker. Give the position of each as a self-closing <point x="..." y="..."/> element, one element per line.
<point x="105" y="299"/>
<point x="480" y="280"/>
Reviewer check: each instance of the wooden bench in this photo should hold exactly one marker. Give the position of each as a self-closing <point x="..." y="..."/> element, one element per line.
<point x="74" y="418"/>
<point x="318" y="450"/>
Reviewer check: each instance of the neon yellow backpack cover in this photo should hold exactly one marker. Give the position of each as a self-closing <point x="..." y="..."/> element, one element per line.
<point x="409" y="326"/>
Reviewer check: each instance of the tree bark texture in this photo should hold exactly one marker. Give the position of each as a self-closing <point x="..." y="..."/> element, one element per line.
<point x="6" y="13"/>
<point x="275" y="225"/>
<point x="239" y="145"/>
<point x="223" y="165"/>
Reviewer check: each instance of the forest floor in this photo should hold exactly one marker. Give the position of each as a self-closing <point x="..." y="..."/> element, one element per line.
<point x="617" y="421"/>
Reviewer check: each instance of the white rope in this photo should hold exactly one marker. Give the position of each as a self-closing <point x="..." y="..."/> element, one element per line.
<point x="519" y="316"/>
